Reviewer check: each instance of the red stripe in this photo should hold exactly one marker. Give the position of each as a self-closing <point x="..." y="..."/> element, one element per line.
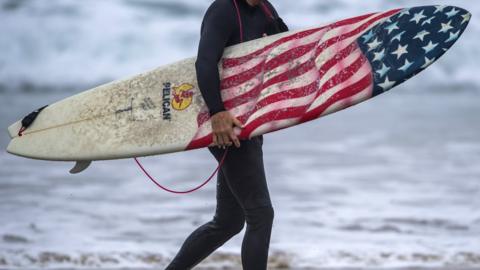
<point x="202" y="118"/>
<point x="201" y="142"/>
<point x="232" y="62"/>
<point x="249" y="74"/>
<point x="339" y="78"/>
<point x="301" y="69"/>
<point x="292" y="73"/>
<point x="340" y="56"/>
<point x="347" y="92"/>
<point x="291" y="112"/>
<point x="345" y="74"/>
<point x="242" y="77"/>
<point x="279" y="60"/>
<point x="306" y="67"/>
<point x="289" y="94"/>
<point x="294" y="112"/>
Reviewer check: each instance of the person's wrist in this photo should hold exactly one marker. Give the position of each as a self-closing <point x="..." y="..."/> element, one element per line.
<point x="213" y="112"/>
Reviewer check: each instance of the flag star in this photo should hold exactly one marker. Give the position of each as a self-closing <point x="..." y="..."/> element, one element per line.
<point x="418" y="17"/>
<point x="428" y="21"/>
<point x="430" y="47"/>
<point x="374" y="44"/>
<point x="421" y="35"/>
<point x="406" y="66"/>
<point x="379" y="55"/>
<point x="446" y="27"/>
<point x="404" y="12"/>
<point x="428" y="62"/>
<point x="398" y="36"/>
<point x="387" y="84"/>
<point x="383" y="70"/>
<point x="392" y="27"/>
<point x="452" y="13"/>
<point x="368" y="36"/>
<point x="453" y="36"/>
<point x="401" y="50"/>
<point x="466" y="17"/>
<point x="439" y="9"/>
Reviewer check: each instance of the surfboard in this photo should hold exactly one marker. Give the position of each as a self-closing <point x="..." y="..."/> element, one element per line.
<point x="269" y="84"/>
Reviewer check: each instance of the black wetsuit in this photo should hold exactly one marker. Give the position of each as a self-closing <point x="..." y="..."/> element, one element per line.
<point x="242" y="191"/>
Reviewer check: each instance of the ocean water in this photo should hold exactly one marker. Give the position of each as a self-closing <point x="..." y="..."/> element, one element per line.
<point x="393" y="182"/>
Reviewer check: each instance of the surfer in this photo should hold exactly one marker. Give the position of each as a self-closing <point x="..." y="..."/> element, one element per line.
<point x="242" y="191"/>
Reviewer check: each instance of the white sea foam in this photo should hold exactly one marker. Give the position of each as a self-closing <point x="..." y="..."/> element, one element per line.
<point x="83" y="43"/>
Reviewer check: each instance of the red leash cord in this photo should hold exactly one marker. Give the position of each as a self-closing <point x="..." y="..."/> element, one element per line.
<point x="269" y="14"/>
<point x="182" y="192"/>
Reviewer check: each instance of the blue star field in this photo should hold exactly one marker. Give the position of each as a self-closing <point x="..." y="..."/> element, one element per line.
<point x="410" y="41"/>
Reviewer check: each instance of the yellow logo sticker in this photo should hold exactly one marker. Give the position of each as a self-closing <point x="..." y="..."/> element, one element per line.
<point x="182" y="96"/>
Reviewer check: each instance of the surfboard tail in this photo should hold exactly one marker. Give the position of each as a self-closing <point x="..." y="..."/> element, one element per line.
<point x="13" y="129"/>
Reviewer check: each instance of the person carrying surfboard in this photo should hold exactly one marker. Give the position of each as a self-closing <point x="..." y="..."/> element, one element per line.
<point x="242" y="191"/>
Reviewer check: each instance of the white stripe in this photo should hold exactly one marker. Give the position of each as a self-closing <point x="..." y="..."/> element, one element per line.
<point x="327" y="53"/>
<point x="303" y="80"/>
<point x="362" y="72"/>
<point x="332" y="51"/>
<point x="290" y="65"/>
<point x="357" y="98"/>
<point x="272" y="53"/>
<point x="274" y="125"/>
<point x="233" y="92"/>
<point x="334" y="70"/>
<point x="204" y="130"/>
<point x="282" y="105"/>
<point x="348" y="28"/>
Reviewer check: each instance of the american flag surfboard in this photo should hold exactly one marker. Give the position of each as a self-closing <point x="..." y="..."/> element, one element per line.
<point x="268" y="84"/>
<point x="312" y="73"/>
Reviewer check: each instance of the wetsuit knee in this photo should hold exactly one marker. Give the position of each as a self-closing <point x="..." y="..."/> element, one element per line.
<point x="259" y="217"/>
<point x="231" y="226"/>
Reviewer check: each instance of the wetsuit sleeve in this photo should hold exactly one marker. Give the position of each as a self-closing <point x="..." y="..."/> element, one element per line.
<point x="217" y="27"/>
<point x="280" y="24"/>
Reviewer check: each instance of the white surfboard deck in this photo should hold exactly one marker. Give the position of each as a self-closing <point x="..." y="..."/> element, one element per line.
<point x="157" y="112"/>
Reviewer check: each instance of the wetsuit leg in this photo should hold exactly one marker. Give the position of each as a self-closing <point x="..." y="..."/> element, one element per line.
<point x="228" y="221"/>
<point x="242" y="195"/>
<point x="245" y="175"/>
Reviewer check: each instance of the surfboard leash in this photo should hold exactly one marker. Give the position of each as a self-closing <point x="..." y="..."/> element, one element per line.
<point x="187" y="191"/>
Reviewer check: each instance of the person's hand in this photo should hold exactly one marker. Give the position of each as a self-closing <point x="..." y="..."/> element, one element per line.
<point x="223" y="132"/>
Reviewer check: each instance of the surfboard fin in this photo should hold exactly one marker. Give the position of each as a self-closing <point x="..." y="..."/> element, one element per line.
<point x="80" y="166"/>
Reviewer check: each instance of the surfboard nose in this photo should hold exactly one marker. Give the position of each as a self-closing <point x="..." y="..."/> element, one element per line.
<point x="464" y="14"/>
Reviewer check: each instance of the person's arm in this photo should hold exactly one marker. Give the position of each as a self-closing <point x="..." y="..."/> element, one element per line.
<point x="217" y="28"/>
